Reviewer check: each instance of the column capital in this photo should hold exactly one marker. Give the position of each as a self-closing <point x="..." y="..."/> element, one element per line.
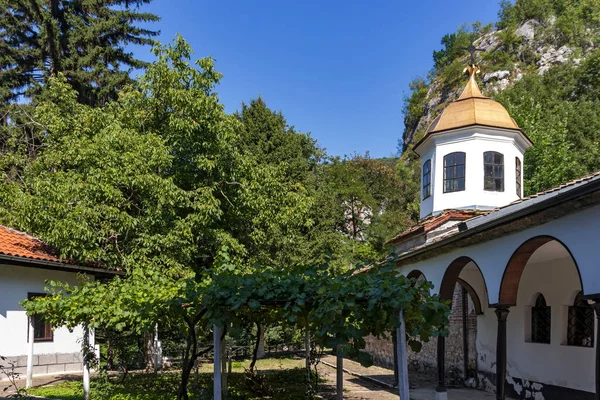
<point x="596" y="306"/>
<point x="502" y="312"/>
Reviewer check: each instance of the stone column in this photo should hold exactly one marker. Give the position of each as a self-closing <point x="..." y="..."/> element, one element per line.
<point x="502" y="314"/>
<point x="596" y="307"/>
<point x="440" y="391"/>
<point x="465" y="327"/>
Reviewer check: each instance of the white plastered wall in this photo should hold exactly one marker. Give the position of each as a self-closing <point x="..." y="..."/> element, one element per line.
<point x="15" y="284"/>
<point x="555" y="363"/>
<point x="579" y="232"/>
<point x="557" y="279"/>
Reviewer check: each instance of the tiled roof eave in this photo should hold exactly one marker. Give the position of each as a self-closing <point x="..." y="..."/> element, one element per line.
<point x="514" y="211"/>
<point x="54" y="265"/>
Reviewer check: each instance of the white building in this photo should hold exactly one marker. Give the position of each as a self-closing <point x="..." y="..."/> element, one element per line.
<point x="25" y="264"/>
<point x="529" y="265"/>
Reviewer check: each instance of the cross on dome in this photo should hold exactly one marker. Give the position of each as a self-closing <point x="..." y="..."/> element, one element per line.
<point x="472" y="50"/>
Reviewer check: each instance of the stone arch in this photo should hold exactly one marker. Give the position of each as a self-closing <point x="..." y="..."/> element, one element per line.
<point x="451" y="278"/>
<point x="511" y="278"/>
<point x="473" y="294"/>
<point x="416" y="274"/>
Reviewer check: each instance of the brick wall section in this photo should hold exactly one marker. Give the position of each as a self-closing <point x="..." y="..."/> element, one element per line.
<point x="382" y="350"/>
<point x="46" y="364"/>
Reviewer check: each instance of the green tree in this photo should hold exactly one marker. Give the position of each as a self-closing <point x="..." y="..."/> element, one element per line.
<point x="559" y="111"/>
<point x="455" y="44"/>
<point x="370" y="200"/>
<point x="155" y="183"/>
<point x="84" y="40"/>
<point x="267" y="137"/>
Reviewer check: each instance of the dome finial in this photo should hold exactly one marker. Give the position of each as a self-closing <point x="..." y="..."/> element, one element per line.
<point x="472" y="69"/>
<point x="471" y="89"/>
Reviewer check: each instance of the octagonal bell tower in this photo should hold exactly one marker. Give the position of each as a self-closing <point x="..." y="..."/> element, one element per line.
<point x="471" y="155"/>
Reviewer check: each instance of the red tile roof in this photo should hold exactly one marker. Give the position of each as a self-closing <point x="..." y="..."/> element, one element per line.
<point x="19" y="244"/>
<point x="433" y="221"/>
<point x="24" y="247"/>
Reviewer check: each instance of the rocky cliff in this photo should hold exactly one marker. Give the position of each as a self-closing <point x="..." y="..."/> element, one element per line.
<point x="532" y="47"/>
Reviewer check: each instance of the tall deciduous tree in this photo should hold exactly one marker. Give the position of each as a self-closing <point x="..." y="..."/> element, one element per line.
<point x="154" y="183"/>
<point x="371" y="201"/>
<point x="85" y="40"/>
<point x="291" y="158"/>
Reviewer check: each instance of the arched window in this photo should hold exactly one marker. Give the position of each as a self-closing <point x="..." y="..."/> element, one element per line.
<point x="454" y="172"/>
<point x="426" y="179"/>
<point x="580" y="328"/>
<point x="541" y="321"/>
<point x="493" y="171"/>
<point x="518" y="176"/>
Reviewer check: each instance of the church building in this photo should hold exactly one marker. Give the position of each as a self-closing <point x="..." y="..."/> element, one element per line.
<point x="527" y="266"/>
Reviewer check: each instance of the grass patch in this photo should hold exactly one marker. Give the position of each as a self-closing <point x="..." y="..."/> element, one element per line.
<point x="284" y="377"/>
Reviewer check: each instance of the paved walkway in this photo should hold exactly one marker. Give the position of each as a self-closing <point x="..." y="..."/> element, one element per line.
<point x="360" y="389"/>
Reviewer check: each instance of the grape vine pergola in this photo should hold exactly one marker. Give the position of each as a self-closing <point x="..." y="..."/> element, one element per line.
<point x="339" y="309"/>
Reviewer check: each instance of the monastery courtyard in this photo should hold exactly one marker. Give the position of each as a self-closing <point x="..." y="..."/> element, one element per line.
<point x="356" y="388"/>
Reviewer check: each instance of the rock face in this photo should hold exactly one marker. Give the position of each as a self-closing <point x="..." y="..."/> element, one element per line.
<point x="536" y="46"/>
<point x="527" y="30"/>
<point x="552" y="56"/>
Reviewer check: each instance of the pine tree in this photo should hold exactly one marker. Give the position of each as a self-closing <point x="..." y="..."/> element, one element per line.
<point x="83" y="39"/>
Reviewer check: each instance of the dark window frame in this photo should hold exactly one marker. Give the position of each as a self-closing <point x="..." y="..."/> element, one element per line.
<point x="580" y="323"/>
<point x="452" y="167"/>
<point x="38" y="322"/>
<point x="426" y="189"/>
<point x="519" y="176"/>
<point x="497" y="179"/>
<point x="541" y="321"/>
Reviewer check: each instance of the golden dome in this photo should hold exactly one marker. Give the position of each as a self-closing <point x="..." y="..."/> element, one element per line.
<point x="472" y="108"/>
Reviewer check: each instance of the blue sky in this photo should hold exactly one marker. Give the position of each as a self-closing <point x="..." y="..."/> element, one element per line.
<point x="337" y="69"/>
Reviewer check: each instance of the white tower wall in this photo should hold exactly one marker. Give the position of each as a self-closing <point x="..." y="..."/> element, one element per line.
<point x="474" y="142"/>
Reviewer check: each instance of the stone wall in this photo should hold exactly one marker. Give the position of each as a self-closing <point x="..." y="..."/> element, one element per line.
<point x="382" y="350"/>
<point x="45" y="364"/>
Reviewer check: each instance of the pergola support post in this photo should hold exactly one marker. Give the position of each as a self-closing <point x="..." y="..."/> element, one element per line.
<point x="31" y="336"/>
<point x="307" y="349"/>
<point x="217" y="391"/>
<point x="403" y="388"/>
<point x="502" y="314"/>
<point x="339" y="373"/>
<point x="224" y="368"/>
<point x="86" y="364"/>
